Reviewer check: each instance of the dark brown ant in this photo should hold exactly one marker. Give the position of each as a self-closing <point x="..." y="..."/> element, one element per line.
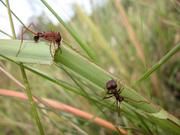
<point x="111" y="86"/>
<point x="114" y="91"/>
<point x="52" y="37"/>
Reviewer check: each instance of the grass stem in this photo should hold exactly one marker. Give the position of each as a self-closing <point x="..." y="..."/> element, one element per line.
<point x="32" y="102"/>
<point x="159" y="63"/>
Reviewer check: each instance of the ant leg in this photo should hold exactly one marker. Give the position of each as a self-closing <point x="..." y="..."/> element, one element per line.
<point x="118" y="107"/>
<point x="50" y="48"/>
<point x="138" y="101"/>
<point x="22" y="33"/>
<point x="108" y="97"/>
<point x="27" y="28"/>
<point x="120" y="90"/>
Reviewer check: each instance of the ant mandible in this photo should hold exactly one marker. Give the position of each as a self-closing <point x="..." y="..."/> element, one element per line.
<point x="52" y="37"/>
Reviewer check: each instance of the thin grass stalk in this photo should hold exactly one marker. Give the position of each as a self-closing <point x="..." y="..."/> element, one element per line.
<point x="10" y="19"/>
<point x="31" y="101"/>
<point x="156" y="66"/>
<point x="10" y="76"/>
<point x="28" y="91"/>
<point x="6" y="33"/>
<point x="14" y="14"/>
<point x="73" y="79"/>
<point x="80" y="87"/>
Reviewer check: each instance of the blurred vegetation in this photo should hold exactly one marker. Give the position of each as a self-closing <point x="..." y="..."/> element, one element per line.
<point x="157" y="29"/>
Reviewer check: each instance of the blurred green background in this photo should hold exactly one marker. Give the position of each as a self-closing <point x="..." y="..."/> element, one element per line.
<point x="127" y="39"/>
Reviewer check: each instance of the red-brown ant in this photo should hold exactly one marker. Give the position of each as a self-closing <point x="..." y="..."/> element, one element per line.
<point x="52" y="37"/>
<point x="114" y="91"/>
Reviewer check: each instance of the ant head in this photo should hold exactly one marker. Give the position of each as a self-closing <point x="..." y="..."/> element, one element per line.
<point x="58" y="39"/>
<point x="36" y="38"/>
<point x="111" y="84"/>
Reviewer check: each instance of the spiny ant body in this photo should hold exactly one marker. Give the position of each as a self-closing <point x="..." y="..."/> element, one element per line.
<point x="113" y="90"/>
<point x="52" y="37"/>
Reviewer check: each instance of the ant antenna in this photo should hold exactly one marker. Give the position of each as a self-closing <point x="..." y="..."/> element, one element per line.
<point x="22" y="33"/>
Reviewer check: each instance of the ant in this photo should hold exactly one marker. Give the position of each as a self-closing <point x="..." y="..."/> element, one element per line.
<point x="114" y="91"/>
<point x="52" y="37"/>
<point x="111" y="86"/>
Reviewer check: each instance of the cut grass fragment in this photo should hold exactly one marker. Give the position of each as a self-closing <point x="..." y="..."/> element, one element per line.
<point x="30" y="52"/>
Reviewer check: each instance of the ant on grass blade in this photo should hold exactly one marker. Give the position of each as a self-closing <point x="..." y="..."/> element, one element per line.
<point x="114" y="91"/>
<point x="52" y="37"/>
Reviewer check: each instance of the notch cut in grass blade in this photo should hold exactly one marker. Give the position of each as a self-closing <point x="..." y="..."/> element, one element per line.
<point x="31" y="52"/>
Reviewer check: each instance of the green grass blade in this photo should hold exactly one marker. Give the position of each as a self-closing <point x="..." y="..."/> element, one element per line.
<point x="10" y="19"/>
<point x="82" y="66"/>
<point x="31" y="101"/>
<point x="160" y="62"/>
<point x="30" y="52"/>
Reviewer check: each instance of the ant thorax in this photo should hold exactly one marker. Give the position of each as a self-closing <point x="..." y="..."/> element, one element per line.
<point x="113" y="90"/>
